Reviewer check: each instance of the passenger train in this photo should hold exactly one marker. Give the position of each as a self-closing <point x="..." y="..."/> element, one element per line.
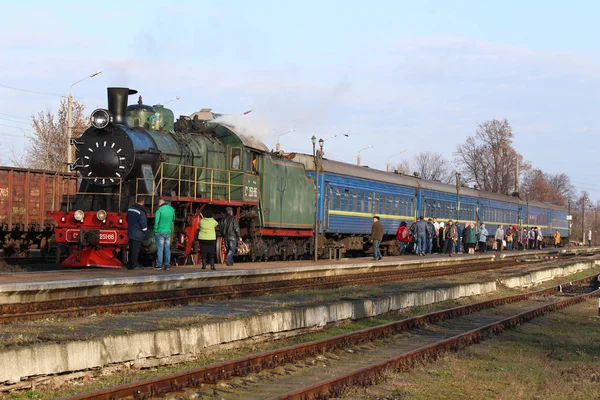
<point x="140" y="151"/>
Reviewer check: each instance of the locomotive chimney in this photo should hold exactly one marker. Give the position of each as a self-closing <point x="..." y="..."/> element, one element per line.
<point x="117" y="103"/>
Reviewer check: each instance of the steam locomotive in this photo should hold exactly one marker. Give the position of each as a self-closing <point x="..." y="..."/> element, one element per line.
<point x="140" y="151"/>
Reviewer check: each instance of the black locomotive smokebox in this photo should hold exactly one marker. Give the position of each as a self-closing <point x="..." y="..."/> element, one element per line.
<point x="104" y="162"/>
<point x="107" y="156"/>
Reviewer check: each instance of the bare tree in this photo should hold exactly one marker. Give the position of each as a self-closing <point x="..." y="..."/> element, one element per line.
<point x="433" y="166"/>
<point x="562" y="184"/>
<point x="403" y="166"/>
<point x="538" y="188"/>
<point x="488" y="158"/>
<point x="47" y="148"/>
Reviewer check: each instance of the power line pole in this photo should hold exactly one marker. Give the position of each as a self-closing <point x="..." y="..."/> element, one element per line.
<point x="583" y="219"/>
<point x="570" y="222"/>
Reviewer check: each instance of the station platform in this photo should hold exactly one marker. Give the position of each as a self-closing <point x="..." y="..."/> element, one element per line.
<point x="53" y="285"/>
<point x="57" y="350"/>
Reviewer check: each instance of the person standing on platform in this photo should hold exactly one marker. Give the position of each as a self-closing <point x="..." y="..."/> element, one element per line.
<point x="459" y="229"/>
<point x="430" y="230"/>
<point x="531" y="235"/>
<point x="483" y="234"/>
<point x="376" y="237"/>
<point x="230" y="231"/>
<point x="509" y="238"/>
<point x="208" y="238"/>
<point x="421" y="232"/>
<point x="556" y="239"/>
<point x="403" y="237"/>
<point x="450" y="237"/>
<point x="472" y="239"/>
<point x="465" y="237"/>
<point x="540" y="238"/>
<point x="436" y="235"/>
<point x="499" y="236"/>
<point x="524" y="239"/>
<point x="137" y="229"/>
<point x="163" y="226"/>
<point x="441" y="239"/>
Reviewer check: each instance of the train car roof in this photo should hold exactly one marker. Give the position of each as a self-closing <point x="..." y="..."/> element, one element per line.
<point x="341" y="168"/>
<point x="547" y="205"/>
<point x="500" y="197"/>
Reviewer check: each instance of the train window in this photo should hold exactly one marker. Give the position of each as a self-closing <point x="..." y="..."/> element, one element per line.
<point x="391" y="205"/>
<point x="236" y="158"/>
<point x="384" y="203"/>
<point x="338" y="199"/>
<point x="376" y="204"/>
<point x="347" y="199"/>
<point x="330" y="199"/>
<point x="369" y="202"/>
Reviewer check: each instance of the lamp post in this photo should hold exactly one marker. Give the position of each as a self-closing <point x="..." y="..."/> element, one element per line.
<point x="70" y="118"/>
<point x="277" y="147"/>
<point x="389" y="166"/>
<point x="457" y="175"/>
<point x="317" y="155"/>
<point x="358" y="156"/>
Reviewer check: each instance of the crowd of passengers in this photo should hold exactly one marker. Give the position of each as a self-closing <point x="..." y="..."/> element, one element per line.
<point x="430" y="236"/>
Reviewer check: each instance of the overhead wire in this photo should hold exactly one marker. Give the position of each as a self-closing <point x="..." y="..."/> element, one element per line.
<point x="30" y="91"/>
<point x="15" y="121"/>
<point x="13" y="135"/>
<point x="15" y="116"/>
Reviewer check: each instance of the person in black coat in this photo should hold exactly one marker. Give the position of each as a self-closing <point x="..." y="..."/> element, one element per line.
<point x="137" y="230"/>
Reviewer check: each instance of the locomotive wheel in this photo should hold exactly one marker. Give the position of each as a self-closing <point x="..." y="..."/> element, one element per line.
<point x="221" y="251"/>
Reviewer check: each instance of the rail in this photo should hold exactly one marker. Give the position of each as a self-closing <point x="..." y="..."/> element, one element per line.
<point x="199" y="183"/>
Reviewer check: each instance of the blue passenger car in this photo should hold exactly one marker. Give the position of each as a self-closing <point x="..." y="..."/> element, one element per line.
<point x="350" y="195"/>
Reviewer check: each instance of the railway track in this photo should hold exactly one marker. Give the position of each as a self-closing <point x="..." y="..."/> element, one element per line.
<point x="146" y="301"/>
<point x="353" y="359"/>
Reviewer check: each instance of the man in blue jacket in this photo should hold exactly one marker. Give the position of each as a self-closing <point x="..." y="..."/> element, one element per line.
<point x="137" y="229"/>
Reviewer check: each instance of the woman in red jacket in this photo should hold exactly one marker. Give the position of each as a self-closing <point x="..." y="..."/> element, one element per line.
<point x="403" y="236"/>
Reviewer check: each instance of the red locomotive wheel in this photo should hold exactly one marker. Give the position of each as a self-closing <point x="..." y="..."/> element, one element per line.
<point x="221" y="251"/>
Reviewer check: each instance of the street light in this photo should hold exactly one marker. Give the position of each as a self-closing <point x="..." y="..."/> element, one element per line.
<point x="318" y="156"/>
<point x="358" y="156"/>
<point x="389" y="166"/>
<point x="70" y="118"/>
<point x="277" y="147"/>
<point x="458" y="176"/>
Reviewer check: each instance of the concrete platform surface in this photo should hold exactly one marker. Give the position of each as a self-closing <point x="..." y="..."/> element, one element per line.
<point x="165" y="336"/>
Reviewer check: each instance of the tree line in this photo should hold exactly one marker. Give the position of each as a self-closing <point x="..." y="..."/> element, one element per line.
<point x="488" y="161"/>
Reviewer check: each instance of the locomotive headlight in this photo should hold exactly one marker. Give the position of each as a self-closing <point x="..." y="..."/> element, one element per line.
<point x="79" y="215"/>
<point x="101" y="215"/>
<point x="100" y="118"/>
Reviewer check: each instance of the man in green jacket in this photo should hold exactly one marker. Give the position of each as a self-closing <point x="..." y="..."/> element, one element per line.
<point x="163" y="225"/>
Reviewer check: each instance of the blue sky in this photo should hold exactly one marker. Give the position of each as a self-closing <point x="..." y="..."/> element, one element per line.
<point x="399" y="75"/>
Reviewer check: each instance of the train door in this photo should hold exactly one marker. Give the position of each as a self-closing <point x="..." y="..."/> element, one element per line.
<point x="326" y="203"/>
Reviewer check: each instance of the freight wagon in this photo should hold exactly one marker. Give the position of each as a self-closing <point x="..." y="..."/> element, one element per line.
<point x="26" y="198"/>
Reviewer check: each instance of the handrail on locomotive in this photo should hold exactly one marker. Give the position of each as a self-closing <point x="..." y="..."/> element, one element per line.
<point x="159" y="181"/>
